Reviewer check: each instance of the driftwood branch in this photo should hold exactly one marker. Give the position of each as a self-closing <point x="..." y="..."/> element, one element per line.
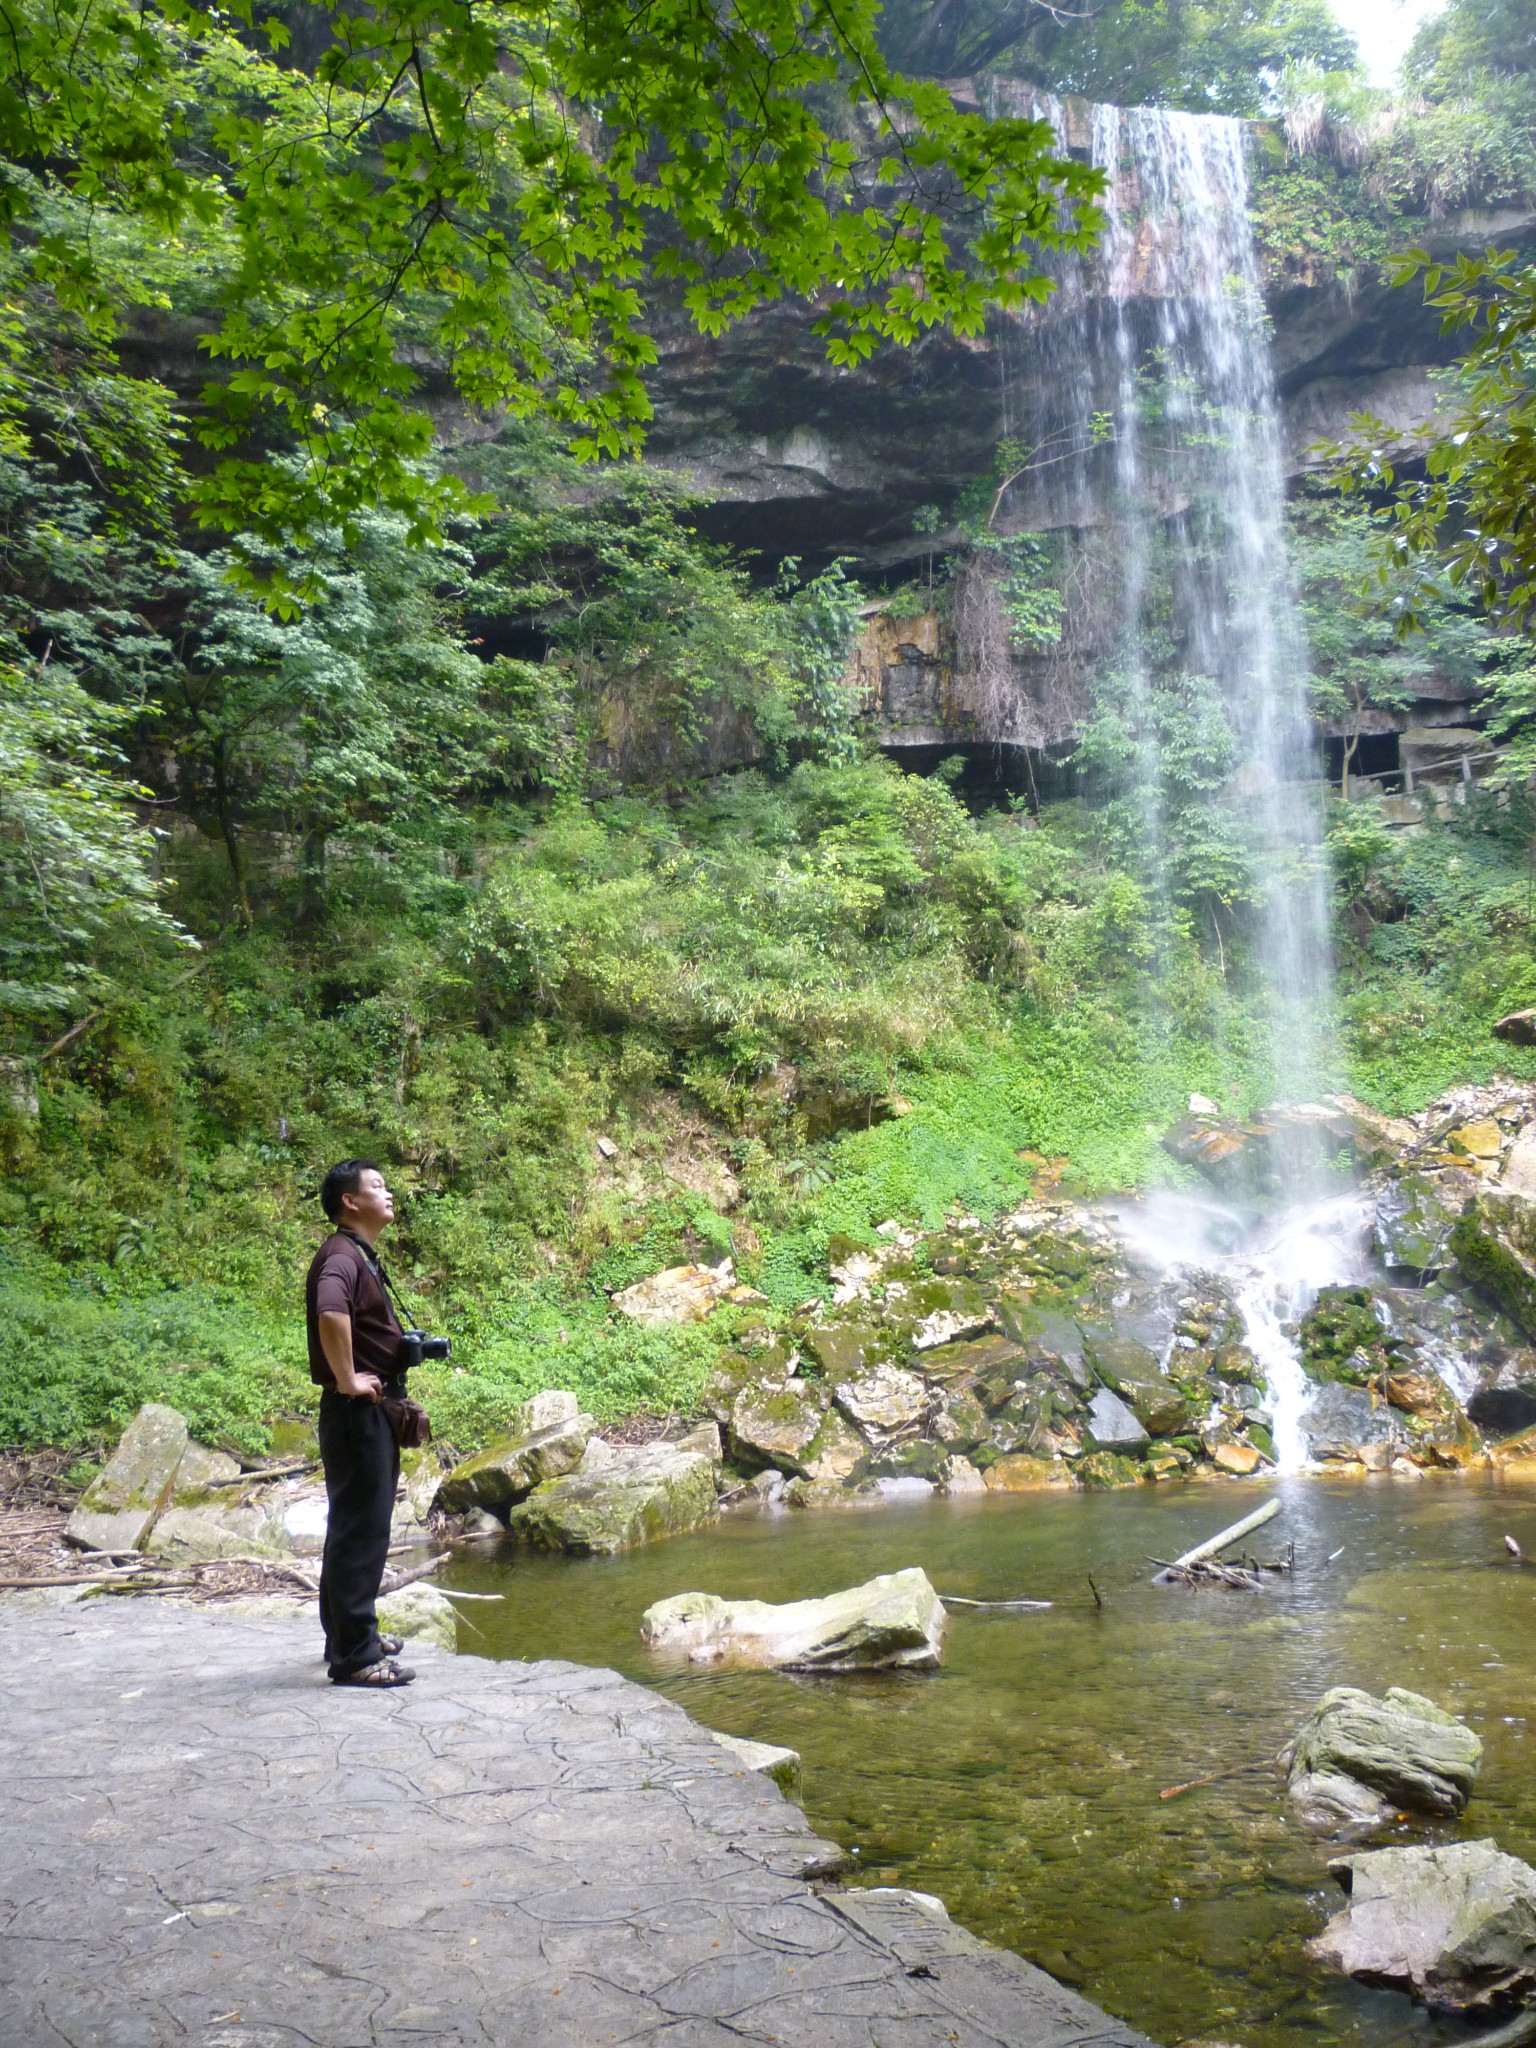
<point x="393" y="1581"/>
<point x="1223" y="1540"/>
<point x="1215" y="1777"/>
<point x="958" y="1600"/>
<point x="259" y="1474"/>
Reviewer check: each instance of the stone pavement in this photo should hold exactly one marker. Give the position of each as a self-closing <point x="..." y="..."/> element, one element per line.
<point x="202" y="1843"/>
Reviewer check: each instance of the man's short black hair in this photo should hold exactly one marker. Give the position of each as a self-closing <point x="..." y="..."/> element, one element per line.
<point x="343" y="1179"/>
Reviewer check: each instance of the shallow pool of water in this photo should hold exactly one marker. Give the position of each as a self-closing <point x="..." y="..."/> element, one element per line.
<point x="1021" y="1781"/>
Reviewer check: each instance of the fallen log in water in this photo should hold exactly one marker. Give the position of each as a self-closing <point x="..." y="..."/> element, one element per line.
<point x="393" y="1581"/>
<point x="1179" y="1570"/>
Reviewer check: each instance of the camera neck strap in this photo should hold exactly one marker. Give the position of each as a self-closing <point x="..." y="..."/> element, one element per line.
<point x="380" y="1273"/>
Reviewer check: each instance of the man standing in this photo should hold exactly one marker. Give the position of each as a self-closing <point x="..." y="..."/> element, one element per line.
<point x="354" y="1355"/>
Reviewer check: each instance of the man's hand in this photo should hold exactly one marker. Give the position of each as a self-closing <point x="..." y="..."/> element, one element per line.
<point x="336" y="1343"/>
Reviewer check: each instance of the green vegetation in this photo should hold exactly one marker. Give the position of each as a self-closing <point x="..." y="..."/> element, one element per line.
<point x="453" y="801"/>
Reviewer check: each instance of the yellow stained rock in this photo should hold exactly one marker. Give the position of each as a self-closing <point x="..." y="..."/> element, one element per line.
<point x="1240" y="1459"/>
<point x="1476" y="1141"/>
<point x="1019" y="1472"/>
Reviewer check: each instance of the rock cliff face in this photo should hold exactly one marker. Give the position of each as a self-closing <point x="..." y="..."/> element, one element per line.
<point x="795" y="456"/>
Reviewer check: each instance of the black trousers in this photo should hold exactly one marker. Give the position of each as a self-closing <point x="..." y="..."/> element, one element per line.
<point x="362" y="1468"/>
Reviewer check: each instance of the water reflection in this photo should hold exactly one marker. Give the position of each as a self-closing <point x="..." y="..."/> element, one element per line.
<point x="1021" y="1782"/>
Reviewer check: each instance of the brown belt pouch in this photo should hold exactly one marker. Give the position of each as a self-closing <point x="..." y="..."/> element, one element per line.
<point x="408" y="1421"/>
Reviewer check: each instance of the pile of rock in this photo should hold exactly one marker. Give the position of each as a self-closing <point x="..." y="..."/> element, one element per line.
<point x="1028" y="1353"/>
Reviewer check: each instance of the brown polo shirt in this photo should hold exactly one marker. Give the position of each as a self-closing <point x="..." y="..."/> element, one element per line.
<point x="343" y="1280"/>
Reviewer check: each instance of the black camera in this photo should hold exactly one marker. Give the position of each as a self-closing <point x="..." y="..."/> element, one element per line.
<point x="416" y="1347"/>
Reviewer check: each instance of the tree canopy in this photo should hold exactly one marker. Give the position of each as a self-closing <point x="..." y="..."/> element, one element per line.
<point x="1217" y="56"/>
<point x="477" y="201"/>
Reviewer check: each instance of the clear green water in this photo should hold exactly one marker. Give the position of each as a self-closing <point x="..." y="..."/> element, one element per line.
<point x="1021" y="1782"/>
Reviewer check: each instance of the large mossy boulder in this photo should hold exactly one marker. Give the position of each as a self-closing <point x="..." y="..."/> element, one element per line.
<point x="617" y="1499"/>
<point x="775" y="1422"/>
<point x="841" y="1350"/>
<point x="1131" y="1371"/>
<point x="1455" y="1926"/>
<point x="1402" y="1747"/>
<point x="1494" y="1241"/>
<point x="894" y="1620"/>
<point x="1342" y="1337"/>
<point x="549" y="1437"/>
<point x="118" y="1508"/>
<point x="420" y="1613"/>
<point x="1023" y="1472"/>
<point x="1103" y="1469"/>
<point x="837" y="1453"/>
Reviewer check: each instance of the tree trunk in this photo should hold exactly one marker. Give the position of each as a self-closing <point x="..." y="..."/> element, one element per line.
<point x="226" y="815"/>
<point x="312" y="875"/>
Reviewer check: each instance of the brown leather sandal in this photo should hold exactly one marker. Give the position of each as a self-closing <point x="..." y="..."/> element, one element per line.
<point x="378" y="1676"/>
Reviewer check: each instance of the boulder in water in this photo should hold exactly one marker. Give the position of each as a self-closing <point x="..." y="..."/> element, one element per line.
<point x="618" y="1499"/>
<point x="1402" y="1747"/>
<point x="548" y="1437"/>
<point x="421" y="1612"/>
<point x="1022" y="1472"/>
<point x="894" y="1620"/>
<point x="118" y="1508"/>
<point x="1340" y="1421"/>
<point x="1455" y="1927"/>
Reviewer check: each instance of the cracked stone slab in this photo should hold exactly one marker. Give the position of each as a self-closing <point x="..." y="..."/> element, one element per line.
<point x="203" y="1843"/>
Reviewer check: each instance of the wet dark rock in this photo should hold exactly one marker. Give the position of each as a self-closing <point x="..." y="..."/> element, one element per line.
<point x="1518" y="1028"/>
<point x="1495" y="1245"/>
<point x="1112" y="1425"/>
<point x="917" y="1458"/>
<point x="993" y="1359"/>
<point x="1455" y="1927"/>
<point x="1402" y="1747"/>
<point x="1118" y="1359"/>
<point x="1504" y="1410"/>
<point x="1415" y="1216"/>
<point x="1339" y="1420"/>
<point x="1131" y="1370"/>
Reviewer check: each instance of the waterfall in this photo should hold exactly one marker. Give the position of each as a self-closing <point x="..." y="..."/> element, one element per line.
<point x="1178" y="508"/>
<point x="1162" y="333"/>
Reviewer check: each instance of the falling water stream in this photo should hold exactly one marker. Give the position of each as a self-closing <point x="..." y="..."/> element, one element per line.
<point x="1162" y="333"/>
